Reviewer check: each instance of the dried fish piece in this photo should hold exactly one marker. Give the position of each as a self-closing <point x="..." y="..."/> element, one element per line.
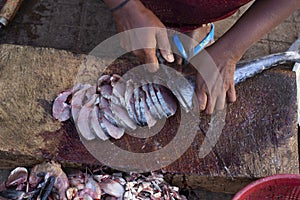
<point x="92" y="188"/>
<point x="71" y="193"/>
<point x="50" y="169"/>
<point x="112" y="188"/>
<point x="17" y="177"/>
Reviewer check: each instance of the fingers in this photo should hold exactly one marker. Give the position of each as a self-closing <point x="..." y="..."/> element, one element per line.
<point x="202" y="100"/>
<point x="211" y="101"/>
<point x="214" y="100"/>
<point x="231" y="94"/>
<point x="221" y="100"/>
<point x="150" y="58"/>
<point x="164" y="46"/>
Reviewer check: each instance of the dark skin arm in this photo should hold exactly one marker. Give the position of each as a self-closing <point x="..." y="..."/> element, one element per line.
<point x="260" y="18"/>
<point x="135" y="15"/>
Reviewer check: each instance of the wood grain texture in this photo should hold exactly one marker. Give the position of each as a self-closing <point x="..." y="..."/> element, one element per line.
<point x="259" y="137"/>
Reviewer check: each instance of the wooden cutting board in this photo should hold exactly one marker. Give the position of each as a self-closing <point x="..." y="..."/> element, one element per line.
<point x="259" y="137"/>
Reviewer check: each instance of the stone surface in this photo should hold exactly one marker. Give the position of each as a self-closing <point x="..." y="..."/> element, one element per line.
<point x="259" y="137"/>
<point x="77" y="26"/>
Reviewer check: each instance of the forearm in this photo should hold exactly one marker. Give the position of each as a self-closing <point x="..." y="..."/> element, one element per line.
<point x="130" y="5"/>
<point x="260" y="18"/>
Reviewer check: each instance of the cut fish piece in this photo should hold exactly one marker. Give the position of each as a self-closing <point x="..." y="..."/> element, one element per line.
<point x="103" y="80"/>
<point x="89" y="93"/>
<point x="156" y="101"/>
<point x="105" y="109"/>
<point x="119" y="88"/>
<point x="129" y="101"/>
<point x="145" y="110"/>
<point x="106" y="90"/>
<point x="143" y="105"/>
<point x="95" y="124"/>
<point x="136" y="97"/>
<point x="78" y="100"/>
<point x="113" y="131"/>
<point x="150" y="103"/>
<point x="166" y="100"/>
<point x="122" y="116"/>
<point x="83" y="119"/>
<point x="61" y="110"/>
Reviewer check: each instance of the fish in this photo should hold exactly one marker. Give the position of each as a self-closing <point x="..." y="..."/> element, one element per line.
<point x="120" y="104"/>
<point x="245" y="70"/>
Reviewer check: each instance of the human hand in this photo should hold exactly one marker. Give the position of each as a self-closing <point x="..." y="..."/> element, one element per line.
<point x="215" y="80"/>
<point x="150" y="33"/>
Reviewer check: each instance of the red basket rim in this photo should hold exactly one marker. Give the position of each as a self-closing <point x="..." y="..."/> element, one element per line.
<point x="261" y="182"/>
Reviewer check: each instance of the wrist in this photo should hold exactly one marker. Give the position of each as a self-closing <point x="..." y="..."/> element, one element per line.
<point x="129" y="8"/>
<point x="229" y="50"/>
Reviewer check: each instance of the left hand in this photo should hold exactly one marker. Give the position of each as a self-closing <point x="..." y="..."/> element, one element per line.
<point x="215" y="82"/>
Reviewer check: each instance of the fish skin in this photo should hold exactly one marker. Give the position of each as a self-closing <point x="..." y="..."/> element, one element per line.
<point x="166" y="101"/>
<point x="145" y="111"/>
<point x="113" y="131"/>
<point x="102" y="125"/>
<point x="129" y="102"/>
<point x="150" y="103"/>
<point x="156" y="101"/>
<point x="136" y="97"/>
<point x="105" y="109"/>
<point x="108" y="128"/>
<point x="245" y="70"/>
<point x="142" y="105"/>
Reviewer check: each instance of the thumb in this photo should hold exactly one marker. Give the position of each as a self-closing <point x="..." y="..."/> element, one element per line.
<point x="164" y="45"/>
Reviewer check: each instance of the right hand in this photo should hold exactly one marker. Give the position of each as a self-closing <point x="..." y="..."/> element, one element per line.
<point x="141" y="41"/>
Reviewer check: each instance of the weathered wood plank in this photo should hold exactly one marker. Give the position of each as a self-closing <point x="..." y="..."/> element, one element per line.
<point x="259" y="137"/>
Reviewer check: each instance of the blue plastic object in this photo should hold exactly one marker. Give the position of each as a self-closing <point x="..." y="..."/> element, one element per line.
<point x="198" y="48"/>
